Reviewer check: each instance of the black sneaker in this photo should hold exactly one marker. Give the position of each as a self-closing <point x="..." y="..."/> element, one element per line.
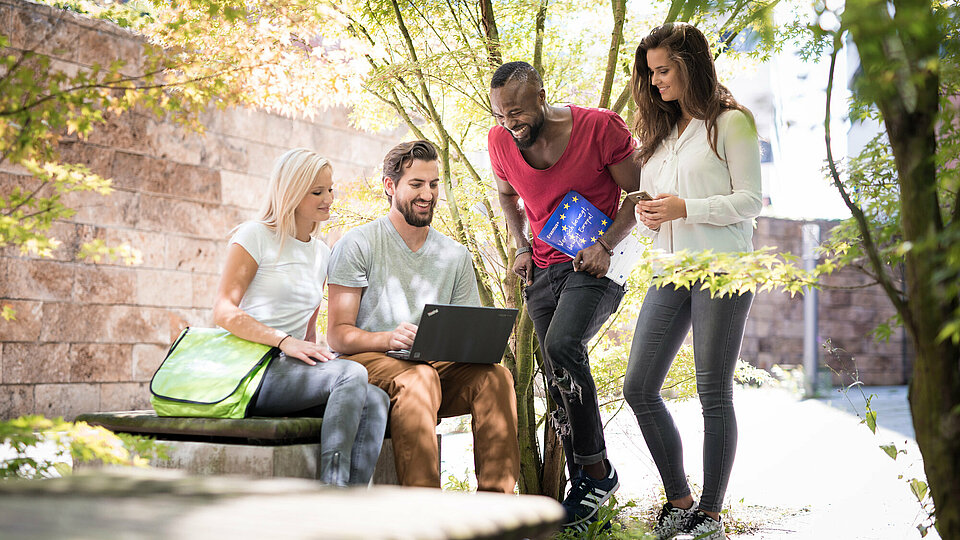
<point x="670" y="520"/>
<point x="584" y="526"/>
<point x="586" y="495"/>
<point x="700" y="526"/>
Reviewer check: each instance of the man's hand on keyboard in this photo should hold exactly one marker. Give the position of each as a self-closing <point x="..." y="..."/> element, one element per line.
<point x="402" y="336"/>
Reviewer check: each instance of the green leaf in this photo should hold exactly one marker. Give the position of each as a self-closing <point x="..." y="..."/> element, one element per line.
<point x="919" y="489"/>
<point x="890" y="449"/>
<point x="871" y="420"/>
<point x="63" y="469"/>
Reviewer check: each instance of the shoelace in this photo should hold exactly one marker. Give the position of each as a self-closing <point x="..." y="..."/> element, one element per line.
<point x="664" y="512"/>
<point x="693" y="520"/>
<point x="578" y="489"/>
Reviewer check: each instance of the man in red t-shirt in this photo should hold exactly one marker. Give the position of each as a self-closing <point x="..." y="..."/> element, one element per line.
<point x="540" y="152"/>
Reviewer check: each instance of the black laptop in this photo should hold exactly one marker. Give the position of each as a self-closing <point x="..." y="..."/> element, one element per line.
<point x="471" y="334"/>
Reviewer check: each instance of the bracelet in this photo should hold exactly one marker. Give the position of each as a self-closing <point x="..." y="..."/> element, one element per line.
<point x="605" y="246"/>
<point x="524" y="249"/>
<point x="281" y="341"/>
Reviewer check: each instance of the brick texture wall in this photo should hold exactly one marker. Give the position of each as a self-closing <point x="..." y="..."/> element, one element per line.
<point x="847" y="315"/>
<point x="89" y="336"/>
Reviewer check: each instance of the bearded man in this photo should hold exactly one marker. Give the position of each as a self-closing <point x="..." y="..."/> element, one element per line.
<point x="539" y="153"/>
<point x="380" y="276"/>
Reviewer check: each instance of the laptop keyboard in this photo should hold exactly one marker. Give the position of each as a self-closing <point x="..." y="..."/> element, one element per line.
<point x="399" y="355"/>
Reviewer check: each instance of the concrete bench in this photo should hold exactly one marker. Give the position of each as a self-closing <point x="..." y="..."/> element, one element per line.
<point x="156" y="504"/>
<point x="261" y="447"/>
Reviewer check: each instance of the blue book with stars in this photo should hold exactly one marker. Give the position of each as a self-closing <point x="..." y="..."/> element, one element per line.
<point x="574" y="225"/>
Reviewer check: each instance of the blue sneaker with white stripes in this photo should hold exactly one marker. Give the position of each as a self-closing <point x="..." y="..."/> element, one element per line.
<point x="586" y="495"/>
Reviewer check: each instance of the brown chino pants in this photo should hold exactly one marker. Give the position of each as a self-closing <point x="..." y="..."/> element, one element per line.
<point x="420" y="393"/>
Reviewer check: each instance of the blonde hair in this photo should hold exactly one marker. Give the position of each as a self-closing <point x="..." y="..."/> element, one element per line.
<point x="293" y="175"/>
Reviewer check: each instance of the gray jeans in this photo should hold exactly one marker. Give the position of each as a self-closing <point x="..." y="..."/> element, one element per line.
<point x="665" y="318"/>
<point x="354" y="412"/>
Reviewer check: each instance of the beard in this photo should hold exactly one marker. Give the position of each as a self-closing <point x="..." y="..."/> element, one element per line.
<point x="414" y="220"/>
<point x="534" y="133"/>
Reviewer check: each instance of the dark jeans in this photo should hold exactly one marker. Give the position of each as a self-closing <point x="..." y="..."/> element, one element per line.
<point x="665" y="318"/>
<point x="567" y="309"/>
<point x="354" y="412"/>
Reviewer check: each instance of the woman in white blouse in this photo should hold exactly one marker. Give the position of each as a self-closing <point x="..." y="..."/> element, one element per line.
<point x="700" y="160"/>
<point x="270" y="293"/>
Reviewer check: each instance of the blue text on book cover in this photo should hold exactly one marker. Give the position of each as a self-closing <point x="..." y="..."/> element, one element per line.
<point x="574" y="225"/>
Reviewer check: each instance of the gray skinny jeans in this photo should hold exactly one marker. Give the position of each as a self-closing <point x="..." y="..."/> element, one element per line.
<point x="665" y="318"/>
<point x="354" y="412"/>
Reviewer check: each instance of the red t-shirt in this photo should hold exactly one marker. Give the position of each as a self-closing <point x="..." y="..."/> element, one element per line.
<point x="599" y="138"/>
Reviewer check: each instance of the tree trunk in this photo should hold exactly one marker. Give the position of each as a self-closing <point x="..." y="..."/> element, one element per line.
<point x="895" y="52"/>
<point x="935" y="388"/>
<point x="522" y="367"/>
<point x="554" y="472"/>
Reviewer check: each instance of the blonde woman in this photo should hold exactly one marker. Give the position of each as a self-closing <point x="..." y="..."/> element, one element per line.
<point x="270" y="293"/>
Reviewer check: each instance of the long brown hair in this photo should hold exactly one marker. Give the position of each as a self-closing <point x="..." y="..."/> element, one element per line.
<point x="703" y="96"/>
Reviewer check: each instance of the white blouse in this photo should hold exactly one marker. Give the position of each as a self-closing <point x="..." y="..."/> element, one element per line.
<point x="722" y="195"/>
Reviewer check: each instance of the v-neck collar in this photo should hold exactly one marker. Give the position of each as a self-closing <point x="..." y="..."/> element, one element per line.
<point x="395" y="234"/>
<point x="678" y="139"/>
<point x="566" y="149"/>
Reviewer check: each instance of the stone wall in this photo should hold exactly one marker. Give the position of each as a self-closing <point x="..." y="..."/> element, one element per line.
<point x="88" y="336"/>
<point x="848" y="313"/>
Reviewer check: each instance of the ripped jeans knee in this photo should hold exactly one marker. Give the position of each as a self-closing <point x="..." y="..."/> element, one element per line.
<point x="567" y="386"/>
<point x="560" y="422"/>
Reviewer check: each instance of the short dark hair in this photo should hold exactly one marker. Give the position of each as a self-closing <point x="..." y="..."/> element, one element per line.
<point x="402" y="156"/>
<point x="515" y="71"/>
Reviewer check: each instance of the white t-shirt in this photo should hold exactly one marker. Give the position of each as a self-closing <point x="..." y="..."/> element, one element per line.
<point x="722" y="195"/>
<point x="288" y="285"/>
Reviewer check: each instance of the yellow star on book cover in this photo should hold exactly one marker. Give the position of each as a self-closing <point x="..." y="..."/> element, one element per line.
<point x="603" y="222"/>
<point x="593" y="238"/>
<point x="563" y="216"/>
<point x="600" y="233"/>
<point x="575" y="199"/>
<point x="566" y="206"/>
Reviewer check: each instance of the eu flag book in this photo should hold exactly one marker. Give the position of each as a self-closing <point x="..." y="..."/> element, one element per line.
<point x="574" y="225"/>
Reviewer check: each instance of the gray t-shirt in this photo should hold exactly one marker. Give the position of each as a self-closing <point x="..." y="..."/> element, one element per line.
<point x="398" y="282"/>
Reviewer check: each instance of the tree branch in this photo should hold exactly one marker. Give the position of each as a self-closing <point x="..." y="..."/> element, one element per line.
<point x="109" y="86"/>
<point x="538" y="36"/>
<point x="490" y="30"/>
<point x="746" y="22"/>
<point x="869" y="246"/>
<point x="616" y="38"/>
<point x="623" y="99"/>
<point x="434" y="115"/>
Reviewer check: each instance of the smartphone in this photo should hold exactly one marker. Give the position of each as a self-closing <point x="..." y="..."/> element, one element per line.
<point x="637" y="196"/>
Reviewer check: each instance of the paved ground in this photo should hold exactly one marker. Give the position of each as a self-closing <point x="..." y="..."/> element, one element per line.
<point x="805" y="469"/>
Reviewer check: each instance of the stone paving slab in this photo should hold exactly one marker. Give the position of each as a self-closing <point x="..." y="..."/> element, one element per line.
<point x="804" y="470"/>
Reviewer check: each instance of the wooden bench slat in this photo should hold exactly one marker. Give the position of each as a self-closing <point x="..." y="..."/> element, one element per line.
<point x="146" y="422"/>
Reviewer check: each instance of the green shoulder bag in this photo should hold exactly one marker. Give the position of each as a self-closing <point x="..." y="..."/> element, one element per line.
<point x="211" y="373"/>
